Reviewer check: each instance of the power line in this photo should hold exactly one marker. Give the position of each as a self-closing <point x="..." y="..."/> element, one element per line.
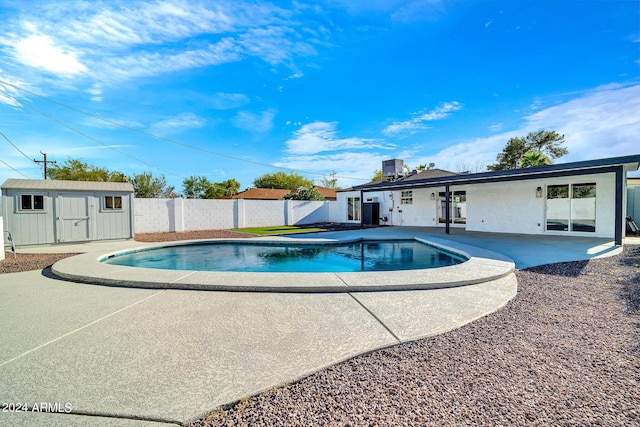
<point x="14" y="169"/>
<point x="53" y="119"/>
<point x="14" y="145"/>
<point x="169" y="140"/>
<point x="45" y="162"/>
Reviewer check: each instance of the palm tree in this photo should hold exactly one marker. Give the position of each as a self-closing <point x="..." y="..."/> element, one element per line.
<point x="534" y="158"/>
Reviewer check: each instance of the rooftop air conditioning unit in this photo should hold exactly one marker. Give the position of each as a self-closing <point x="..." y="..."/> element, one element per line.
<point x="392" y="168"/>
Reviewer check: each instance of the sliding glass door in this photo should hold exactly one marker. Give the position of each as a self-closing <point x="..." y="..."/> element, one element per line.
<point x="571" y="207"/>
<point x="457" y="207"/>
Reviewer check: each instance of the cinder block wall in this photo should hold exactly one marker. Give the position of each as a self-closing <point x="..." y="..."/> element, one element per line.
<point x="2" y="234"/>
<point x="153" y="215"/>
<point x="202" y="214"/>
<point x="162" y="215"/>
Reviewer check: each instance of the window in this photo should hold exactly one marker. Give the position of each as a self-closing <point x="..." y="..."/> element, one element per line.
<point x="113" y="202"/>
<point x="31" y="202"/>
<point x="353" y="208"/>
<point x="406" y="198"/>
<point x="571" y="207"/>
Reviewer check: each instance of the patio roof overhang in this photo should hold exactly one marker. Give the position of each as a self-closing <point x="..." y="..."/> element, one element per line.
<point x="614" y="164"/>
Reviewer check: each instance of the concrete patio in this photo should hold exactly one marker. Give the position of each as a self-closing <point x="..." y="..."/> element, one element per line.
<point x="129" y="356"/>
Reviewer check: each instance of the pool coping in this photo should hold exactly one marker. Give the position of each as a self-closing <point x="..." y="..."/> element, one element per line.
<point x="482" y="266"/>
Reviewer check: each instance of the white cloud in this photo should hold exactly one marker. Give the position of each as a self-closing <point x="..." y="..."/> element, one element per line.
<point x="359" y="165"/>
<point x="320" y="137"/>
<point x="257" y="123"/>
<point x="40" y="51"/>
<point x="417" y="122"/>
<point x="96" y="93"/>
<point x="601" y="123"/>
<point x="8" y="93"/>
<point x="496" y="127"/>
<point x="227" y="101"/>
<point x="184" y="120"/>
<point x="106" y="43"/>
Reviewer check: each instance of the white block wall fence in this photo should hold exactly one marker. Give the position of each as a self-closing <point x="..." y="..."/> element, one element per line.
<point x="1" y="234"/>
<point x="165" y="215"/>
<point x="633" y="203"/>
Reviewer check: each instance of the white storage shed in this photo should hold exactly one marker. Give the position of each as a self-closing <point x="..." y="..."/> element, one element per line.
<point x="40" y="212"/>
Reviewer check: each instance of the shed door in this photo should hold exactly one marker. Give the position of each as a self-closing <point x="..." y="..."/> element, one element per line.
<point x="75" y="220"/>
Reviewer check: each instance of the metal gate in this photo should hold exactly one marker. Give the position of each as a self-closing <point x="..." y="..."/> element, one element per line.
<point x="74" y="219"/>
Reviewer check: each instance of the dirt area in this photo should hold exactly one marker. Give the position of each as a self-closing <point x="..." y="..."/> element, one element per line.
<point x="27" y="262"/>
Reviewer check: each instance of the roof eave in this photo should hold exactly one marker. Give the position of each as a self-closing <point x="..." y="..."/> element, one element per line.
<point x="629" y="163"/>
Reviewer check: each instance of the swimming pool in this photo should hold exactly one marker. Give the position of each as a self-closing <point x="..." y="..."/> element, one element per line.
<point x="367" y="255"/>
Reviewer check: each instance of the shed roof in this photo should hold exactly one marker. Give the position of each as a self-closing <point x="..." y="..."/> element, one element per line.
<point x="49" y="184"/>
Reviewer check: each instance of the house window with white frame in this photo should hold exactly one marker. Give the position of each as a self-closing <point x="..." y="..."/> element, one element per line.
<point x="406" y="197"/>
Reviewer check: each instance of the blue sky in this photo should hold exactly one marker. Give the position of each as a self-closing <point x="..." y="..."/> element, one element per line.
<point x="237" y="89"/>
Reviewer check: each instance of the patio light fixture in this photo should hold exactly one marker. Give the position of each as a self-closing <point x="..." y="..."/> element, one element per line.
<point x="433" y="196"/>
<point x="539" y="192"/>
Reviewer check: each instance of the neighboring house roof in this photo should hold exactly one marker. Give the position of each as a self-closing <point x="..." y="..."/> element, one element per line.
<point x="277" y="193"/>
<point x="49" y="184"/>
<point x="628" y="163"/>
<point x="328" y="193"/>
<point x="261" y="194"/>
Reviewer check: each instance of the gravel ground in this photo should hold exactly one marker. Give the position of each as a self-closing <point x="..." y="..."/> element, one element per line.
<point x="564" y="352"/>
<point x="26" y="262"/>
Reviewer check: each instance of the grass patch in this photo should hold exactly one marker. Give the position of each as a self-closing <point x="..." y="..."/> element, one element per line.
<point x="275" y="230"/>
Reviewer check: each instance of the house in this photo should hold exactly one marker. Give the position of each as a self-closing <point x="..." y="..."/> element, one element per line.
<point x="585" y="198"/>
<point x="38" y="212"/>
<point x="260" y="194"/>
<point x="277" y="193"/>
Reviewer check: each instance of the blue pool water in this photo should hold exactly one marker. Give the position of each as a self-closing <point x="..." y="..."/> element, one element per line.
<point x="274" y="257"/>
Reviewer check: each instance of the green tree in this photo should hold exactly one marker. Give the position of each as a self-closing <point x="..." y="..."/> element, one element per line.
<point x="304" y="193"/>
<point x="419" y="168"/>
<point x="534" y="158"/>
<point x="231" y="187"/>
<point x="77" y="170"/>
<point x="287" y="181"/>
<point x="199" y="187"/>
<point x="330" y="182"/>
<point x="377" y="175"/>
<point x="145" y="185"/>
<point x="547" y="143"/>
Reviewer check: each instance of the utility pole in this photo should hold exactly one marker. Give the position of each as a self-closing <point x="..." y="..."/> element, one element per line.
<point x="45" y="161"/>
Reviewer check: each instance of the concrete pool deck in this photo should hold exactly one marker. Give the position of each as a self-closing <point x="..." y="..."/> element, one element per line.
<point x="129" y="356"/>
